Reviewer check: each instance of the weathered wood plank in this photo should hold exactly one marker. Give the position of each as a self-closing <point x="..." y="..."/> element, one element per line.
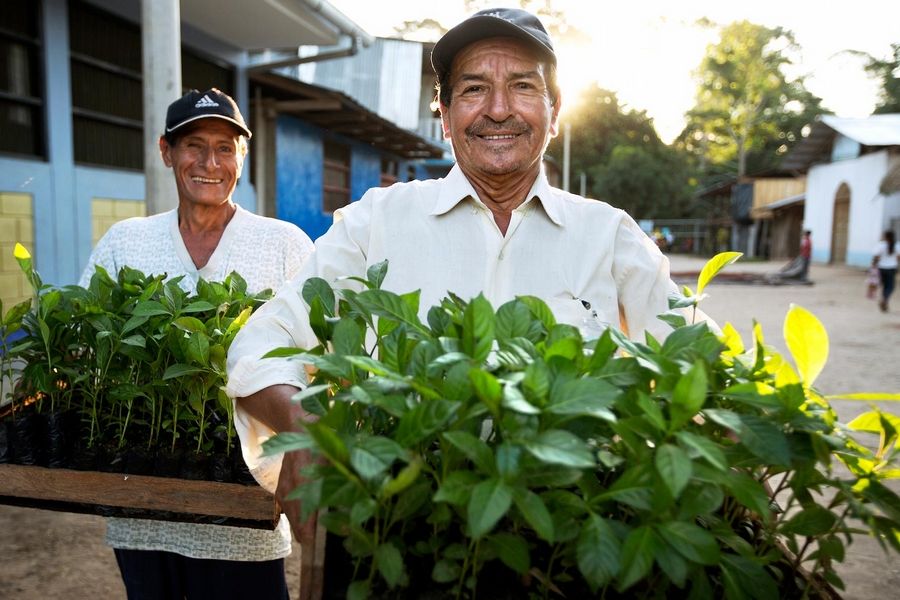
<point x="138" y="491"/>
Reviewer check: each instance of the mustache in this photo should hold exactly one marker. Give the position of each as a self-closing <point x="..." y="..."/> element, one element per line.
<point x="487" y="127"/>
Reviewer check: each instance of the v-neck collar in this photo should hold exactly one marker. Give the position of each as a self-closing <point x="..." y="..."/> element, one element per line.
<point x="212" y="268"/>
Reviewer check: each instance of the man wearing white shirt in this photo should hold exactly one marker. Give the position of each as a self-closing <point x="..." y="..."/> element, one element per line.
<point x="494" y="225"/>
<point x="207" y="236"/>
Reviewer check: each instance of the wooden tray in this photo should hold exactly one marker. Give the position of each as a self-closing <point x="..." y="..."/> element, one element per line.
<point x="81" y="491"/>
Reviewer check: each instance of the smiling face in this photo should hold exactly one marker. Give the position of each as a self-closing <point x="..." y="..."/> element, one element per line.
<point x="207" y="161"/>
<point x="500" y="116"/>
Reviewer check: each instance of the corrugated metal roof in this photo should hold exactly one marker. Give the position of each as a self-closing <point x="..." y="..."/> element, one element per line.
<point x="876" y="130"/>
<point x="786" y="201"/>
<point x="339" y="113"/>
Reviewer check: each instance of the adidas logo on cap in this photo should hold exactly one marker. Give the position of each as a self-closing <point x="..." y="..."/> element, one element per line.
<point x="205" y="102"/>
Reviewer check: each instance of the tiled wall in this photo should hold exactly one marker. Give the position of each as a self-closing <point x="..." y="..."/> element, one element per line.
<point x="105" y="212"/>
<point x="16" y="225"/>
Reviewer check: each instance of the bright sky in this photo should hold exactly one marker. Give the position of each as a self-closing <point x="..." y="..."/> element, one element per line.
<point x="646" y="50"/>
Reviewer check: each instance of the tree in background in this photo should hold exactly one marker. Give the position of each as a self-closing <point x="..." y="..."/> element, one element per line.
<point x="748" y="113"/>
<point x="426" y="30"/>
<point x="888" y="72"/>
<point x="553" y="19"/>
<point x="430" y="30"/>
<point x="625" y="162"/>
<point x="647" y="181"/>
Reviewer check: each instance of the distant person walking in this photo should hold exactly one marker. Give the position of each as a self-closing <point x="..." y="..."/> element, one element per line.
<point x="886" y="260"/>
<point x="805" y="253"/>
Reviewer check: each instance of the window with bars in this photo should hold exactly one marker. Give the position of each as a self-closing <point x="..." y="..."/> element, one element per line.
<point x="107" y="94"/>
<point x="21" y="93"/>
<point x="336" y="177"/>
<point x="107" y="86"/>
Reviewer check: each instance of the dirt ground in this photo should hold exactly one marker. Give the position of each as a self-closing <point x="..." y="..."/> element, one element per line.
<point x="61" y="555"/>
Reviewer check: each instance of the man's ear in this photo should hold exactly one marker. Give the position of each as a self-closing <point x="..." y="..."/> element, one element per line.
<point x="445" y="120"/>
<point x="554" y="116"/>
<point x="165" y="151"/>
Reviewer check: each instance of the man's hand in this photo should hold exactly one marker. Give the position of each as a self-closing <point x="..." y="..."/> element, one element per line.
<point x="289" y="479"/>
<point x="273" y="406"/>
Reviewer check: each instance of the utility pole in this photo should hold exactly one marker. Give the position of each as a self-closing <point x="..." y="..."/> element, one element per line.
<point x="567" y="131"/>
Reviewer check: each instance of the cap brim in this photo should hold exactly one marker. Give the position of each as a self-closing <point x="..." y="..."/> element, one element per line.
<point x="475" y="29"/>
<point x="242" y="128"/>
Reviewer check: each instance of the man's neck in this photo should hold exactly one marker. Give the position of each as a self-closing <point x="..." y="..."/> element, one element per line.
<point x="201" y="228"/>
<point x="503" y="195"/>
<point x="196" y="219"/>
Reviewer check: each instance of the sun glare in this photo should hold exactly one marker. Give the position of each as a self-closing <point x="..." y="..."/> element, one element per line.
<point x="646" y="51"/>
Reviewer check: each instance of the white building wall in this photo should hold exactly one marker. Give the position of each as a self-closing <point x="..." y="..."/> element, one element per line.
<point x="867" y="206"/>
<point x="401" y="67"/>
<point x="892" y="201"/>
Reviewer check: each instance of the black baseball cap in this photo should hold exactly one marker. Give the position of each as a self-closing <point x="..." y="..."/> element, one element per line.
<point x="211" y="104"/>
<point x="492" y="22"/>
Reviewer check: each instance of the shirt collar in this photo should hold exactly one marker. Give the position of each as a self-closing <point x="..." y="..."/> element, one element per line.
<point x="457" y="188"/>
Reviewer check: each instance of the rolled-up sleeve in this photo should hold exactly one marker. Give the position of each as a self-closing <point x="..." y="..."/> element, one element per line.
<point x="642" y="280"/>
<point x="283" y="322"/>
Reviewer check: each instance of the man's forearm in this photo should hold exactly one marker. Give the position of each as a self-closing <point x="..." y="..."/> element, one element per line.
<point x="273" y="407"/>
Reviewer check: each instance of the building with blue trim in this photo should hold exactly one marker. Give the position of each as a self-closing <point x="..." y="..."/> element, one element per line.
<point x="73" y="110"/>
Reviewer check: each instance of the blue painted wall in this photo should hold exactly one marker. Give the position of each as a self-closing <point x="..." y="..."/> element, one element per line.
<point x="62" y="191"/>
<point x="298" y="175"/>
<point x="365" y="170"/>
<point x="90" y="183"/>
<point x="299" y="154"/>
<point x="33" y="177"/>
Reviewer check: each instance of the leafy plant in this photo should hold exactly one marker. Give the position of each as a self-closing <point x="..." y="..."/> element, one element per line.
<point x="139" y="358"/>
<point x="10" y="325"/>
<point x="50" y="347"/>
<point x="498" y="453"/>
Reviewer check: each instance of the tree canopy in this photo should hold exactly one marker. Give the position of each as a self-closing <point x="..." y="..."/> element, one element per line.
<point x="625" y="162"/>
<point x="888" y="72"/>
<point x="748" y="112"/>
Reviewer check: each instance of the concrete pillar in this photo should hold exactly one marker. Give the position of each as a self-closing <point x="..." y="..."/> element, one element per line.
<point x="161" y="43"/>
<point x="56" y="224"/>
<point x="244" y="194"/>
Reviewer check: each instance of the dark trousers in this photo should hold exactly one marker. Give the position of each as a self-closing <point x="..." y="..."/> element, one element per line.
<point x="152" y="575"/>
<point x="888" y="278"/>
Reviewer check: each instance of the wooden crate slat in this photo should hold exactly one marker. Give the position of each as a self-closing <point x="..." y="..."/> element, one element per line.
<point x="138" y="491"/>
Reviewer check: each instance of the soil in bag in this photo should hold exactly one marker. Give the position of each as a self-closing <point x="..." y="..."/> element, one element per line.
<point x="28" y="434"/>
<point x="61" y="433"/>
<point x="6" y="448"/>
<point x="241" y="470"/>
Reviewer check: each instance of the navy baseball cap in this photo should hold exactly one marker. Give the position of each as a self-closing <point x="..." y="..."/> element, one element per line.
<point x="489" y="23"/>
<point x="211" y="104"/>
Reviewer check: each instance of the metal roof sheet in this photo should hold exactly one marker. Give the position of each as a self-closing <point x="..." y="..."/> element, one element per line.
<point x="339" y="113"/>
<point x="875" y="130"/>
